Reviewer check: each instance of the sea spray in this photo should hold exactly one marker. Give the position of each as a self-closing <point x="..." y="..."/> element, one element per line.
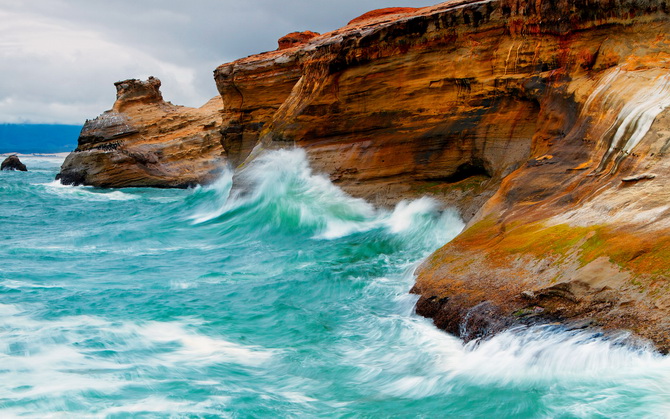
<point x="285" y="299"/>
<point x="280" y="190"/>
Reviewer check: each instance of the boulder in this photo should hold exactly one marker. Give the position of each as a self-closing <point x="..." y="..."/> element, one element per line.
<point x="13" y="163"/>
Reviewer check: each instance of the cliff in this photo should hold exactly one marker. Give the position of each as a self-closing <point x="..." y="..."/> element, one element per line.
<point x="544" y="122"/>
<point x="145" y="141"/>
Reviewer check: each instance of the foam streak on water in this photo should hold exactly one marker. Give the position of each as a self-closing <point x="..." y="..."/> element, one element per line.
<point x="284" y="298"/>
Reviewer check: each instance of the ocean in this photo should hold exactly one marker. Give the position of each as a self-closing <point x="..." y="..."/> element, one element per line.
<point x="285" y="298"/>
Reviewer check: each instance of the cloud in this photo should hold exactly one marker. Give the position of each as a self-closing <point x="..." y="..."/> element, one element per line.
<point x="59" y="59"/>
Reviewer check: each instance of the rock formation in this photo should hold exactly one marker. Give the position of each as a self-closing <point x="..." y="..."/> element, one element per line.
<point x="373" y="14"/>
<point x="13" y="163"/>
<point x="545" y="122"/>
<point x="541" y="121"/>
<point x="145" y="141"/>
<point x="295" y="38"/>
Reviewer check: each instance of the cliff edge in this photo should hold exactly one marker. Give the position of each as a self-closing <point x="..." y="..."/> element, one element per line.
<point x="545" y="122"/>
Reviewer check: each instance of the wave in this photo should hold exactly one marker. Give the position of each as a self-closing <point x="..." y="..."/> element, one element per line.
<point x="269" y="293"/>
<point x="86" y="354"/>
<point x="86" y="192"/>
<point x="573" y="373"/>
<point x="279" y="191"/>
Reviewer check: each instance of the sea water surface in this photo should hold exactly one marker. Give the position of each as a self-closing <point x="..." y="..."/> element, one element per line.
<point x="287" y="299"/>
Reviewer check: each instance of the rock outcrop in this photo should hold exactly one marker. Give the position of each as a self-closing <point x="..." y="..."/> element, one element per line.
<point x="145" y="141"/>
<point x="539" y="120"/>
<point x="373" y="14"/>
<point x="295" y="38"/>
<point x="545" y="122"/>
<point x="13" y="163"/>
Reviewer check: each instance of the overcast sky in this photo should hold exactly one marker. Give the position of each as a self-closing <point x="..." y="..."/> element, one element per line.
<point x="60" y="58"/>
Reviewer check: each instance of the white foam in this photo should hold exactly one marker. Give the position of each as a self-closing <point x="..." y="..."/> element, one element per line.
<point x="402" y="216"/>
<point x="51" y="359"/>
<point x="86" y="193"/>
<point x="199" y="349"/>
<point x="14" y="284"/>
<point x="539" y="357"/>
<point x="542" y="354"/>
<point x="281" y="185"/>
<point x="161" y="405"/>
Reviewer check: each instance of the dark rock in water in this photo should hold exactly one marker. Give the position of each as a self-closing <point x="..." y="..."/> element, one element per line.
<point x="13" y="163"/>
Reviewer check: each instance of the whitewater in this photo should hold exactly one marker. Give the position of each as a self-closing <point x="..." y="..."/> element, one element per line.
<point x="282" y="297"/>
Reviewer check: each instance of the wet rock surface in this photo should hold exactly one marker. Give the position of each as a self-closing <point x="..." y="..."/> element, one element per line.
<point x="13" y="163"/>
<point x="542" y="122"/>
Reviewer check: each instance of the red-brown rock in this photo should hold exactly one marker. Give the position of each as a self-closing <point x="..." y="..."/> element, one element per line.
<point x="541" y="121"/>
<point x="373" y="14"/>
<point x="295" y="38"/>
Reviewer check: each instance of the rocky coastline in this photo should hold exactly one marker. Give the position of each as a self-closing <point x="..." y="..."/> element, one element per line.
<point x="545" y="123"/>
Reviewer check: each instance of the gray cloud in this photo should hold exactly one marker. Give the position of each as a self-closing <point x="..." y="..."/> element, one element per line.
<point x="59" y="58"/>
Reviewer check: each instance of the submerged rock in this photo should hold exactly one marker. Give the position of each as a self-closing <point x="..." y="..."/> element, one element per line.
<point x="13" y="163"/>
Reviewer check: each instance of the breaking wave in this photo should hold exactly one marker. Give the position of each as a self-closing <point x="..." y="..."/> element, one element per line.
<point x="280" y="296"/>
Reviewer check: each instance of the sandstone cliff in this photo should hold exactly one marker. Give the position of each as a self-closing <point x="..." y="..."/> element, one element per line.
<point x="544" y="122"/>
<point x="555" y="110"/>
<point x="145" y="141"/>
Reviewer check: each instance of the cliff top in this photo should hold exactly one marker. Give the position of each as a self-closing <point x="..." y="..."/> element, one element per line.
<point x="374" y="14"/>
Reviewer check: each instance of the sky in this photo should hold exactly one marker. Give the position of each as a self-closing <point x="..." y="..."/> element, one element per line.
<point x="59" y="59"/>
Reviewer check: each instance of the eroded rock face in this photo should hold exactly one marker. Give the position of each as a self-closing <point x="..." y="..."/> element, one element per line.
<point x="374" y="14"/>
<point x="145" y="141"/>
<point x="539" y="120"/>
<point x="544" y="122"/>
<point x="13" y="163"/>
<point x="295" y="39"/>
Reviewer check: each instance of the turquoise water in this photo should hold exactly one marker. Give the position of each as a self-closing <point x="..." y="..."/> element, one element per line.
<point x="288" y="300"/>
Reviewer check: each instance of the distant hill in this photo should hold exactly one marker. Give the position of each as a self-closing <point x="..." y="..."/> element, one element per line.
<point x="38" y="138"/>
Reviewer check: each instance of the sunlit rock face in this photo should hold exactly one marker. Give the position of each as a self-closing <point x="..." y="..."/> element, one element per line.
<point x="145" y="141"/>
<point x="295" y="38"/>
<point x="545" y="123"/>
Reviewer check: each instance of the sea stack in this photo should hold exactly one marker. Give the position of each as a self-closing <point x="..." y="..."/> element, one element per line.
<point x="145" y="141"/>
<point x="13" y="163"/>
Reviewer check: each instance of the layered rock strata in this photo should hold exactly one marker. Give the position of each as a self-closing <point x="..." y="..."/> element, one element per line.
<point x="146" y="141"/>
<point x="545" y="119"/>
<point x="544" y="122"/>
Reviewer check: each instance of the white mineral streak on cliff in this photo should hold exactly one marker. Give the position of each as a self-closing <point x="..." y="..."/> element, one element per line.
<point x="604" y="83"/>
<point x="645" y="108"/>
<point x="640" y="108"/>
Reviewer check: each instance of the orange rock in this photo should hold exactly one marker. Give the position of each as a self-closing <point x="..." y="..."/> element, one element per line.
<point x="491" y="107"/>
<point x="145" y="141"/>
<point x="381" y="12"/>
<point x="525" y="115"/>
<point x="295" y="38"/>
